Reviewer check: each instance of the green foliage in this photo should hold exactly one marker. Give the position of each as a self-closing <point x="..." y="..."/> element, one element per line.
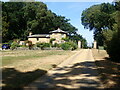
<point x="68" y="46"/>
<point x="66" y="39"/>
<point x="65" y="46"/>
<point x="113" y="47"/>
<point x="77" y="38"/>
<point x="108" y="35"/>
<point x="21" y="17"/>
<point x="43" y="45"/>
<point x="104" y="20"/>
<point x="98" y="18"/>
<point x="14" y="45"/>
<point x="84" y="43"/>
<point x="112" y="38"/>
<point x="13" y="20"/>
<point x="56" y="45"/>
<point x="5" y="26"/>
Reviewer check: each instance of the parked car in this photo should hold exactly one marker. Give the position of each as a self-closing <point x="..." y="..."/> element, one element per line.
<point x="5" y="46"/>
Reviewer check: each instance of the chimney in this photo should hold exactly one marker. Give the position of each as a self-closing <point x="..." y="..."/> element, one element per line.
<point x="30" y="33"/>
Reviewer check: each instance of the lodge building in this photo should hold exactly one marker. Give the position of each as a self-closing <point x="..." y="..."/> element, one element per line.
<point x="56" y="34"/>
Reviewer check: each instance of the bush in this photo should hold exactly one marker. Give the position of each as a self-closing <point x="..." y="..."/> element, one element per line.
<point x="68" y="46"/>
<point x="30" y="45"/>
<point x="113" y="48"/>
<point x="43" y="45"/>
<point x="112" y="42"/>
<point x="14" y="45"/>
<point x="23" y="46"/>
<point x="56" y="45"/>
<point x="66" y="39"/>
<point x="65" y="46"/>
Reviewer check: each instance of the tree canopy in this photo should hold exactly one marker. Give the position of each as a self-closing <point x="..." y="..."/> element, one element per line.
<point x="98" y="18"/>
<point x="104" y="20"/>
<point x="19" y="18"/>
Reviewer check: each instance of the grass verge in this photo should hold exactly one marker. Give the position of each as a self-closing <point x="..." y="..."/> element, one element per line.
<point x="16" y="56"/>
<point x="28" y="65"/>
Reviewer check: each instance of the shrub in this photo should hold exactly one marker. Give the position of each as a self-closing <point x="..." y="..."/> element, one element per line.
<point x="14" y="45"/>
<point x="68" y="46"/>
<point x="23" y="46"/>
<point x="112" y="42"/>
<point x="113" y="48"/>
<point x="66" y="39"/>
<point x="43" y="45"/>
<point x="56" y="45"/>
<point x="30" y="45"/>
<point x="65" y="46"/>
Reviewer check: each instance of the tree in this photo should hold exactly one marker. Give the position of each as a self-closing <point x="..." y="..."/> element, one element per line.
<point x="12" y="15"/>
<point x="78" y="37"/>
<point x="113" y="45"/>
<point x="98" y="18"/>
<point x="5" y="26"/>
<point x="19" y="18"/>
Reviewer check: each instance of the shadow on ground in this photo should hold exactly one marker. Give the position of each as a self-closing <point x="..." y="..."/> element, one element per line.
<point x="71" y="77"/>
<point x="13" y="79"/>
<point x="109" y="73"/>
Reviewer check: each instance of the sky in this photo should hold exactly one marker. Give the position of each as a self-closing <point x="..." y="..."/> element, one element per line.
<point x="72" y="9"/>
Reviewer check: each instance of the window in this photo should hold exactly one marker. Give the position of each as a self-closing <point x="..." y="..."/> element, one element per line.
<point x="62" y="35"/>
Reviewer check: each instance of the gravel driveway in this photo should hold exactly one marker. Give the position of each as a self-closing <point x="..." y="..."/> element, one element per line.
<point x="77" y="72"/>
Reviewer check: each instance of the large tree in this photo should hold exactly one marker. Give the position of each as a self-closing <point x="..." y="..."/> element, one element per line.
<point x="19" y="18"/>
<point x="104" y="19"/>
<point x="13" y="20"/>
<point x="113" y="44"/>
<point x="98" y="18"/>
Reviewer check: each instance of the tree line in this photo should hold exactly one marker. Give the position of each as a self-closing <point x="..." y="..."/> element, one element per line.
<point x="19" y="18"/>
<point x="104" y="20"/>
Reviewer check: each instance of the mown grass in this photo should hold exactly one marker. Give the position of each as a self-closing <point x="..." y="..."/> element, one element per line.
<point x="13" y="78"/>
<point x="15" y="56"/>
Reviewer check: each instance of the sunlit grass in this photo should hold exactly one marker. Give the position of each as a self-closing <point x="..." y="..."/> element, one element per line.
<point x="28" y="65"/>
<point x="15" y="56"/>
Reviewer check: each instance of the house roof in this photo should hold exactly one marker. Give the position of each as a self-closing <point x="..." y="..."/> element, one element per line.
<point x="58" y="31"/>
<point x="40" y="36"/>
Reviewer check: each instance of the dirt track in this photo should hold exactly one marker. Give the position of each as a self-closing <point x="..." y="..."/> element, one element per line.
<point x="77" y="72"/>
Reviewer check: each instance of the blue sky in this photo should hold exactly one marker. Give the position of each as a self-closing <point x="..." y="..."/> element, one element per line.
<point x="72" y="9"/>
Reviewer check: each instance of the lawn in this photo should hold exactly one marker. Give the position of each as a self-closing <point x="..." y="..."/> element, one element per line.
<point x="10" y="57"/>
<point x="20" y="68"/>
